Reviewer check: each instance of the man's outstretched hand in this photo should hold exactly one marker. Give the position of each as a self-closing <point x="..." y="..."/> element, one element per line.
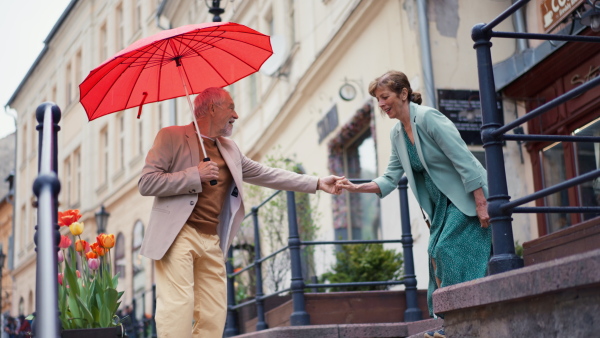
<point x="328" y="184"/>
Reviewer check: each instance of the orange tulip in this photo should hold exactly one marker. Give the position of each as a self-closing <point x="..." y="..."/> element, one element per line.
<point x="81" y="245"/>
<point x="98" y="249"/>
<point x="65" y="242"/>
<point x="106" y="241"/>
<point x="68" y="217"/>
<point x="91" y="254"/>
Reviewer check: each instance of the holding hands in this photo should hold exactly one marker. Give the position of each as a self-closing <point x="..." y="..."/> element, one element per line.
<point x="330" y="184"/>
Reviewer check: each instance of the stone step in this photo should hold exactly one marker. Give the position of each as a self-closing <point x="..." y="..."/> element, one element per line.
<point x="375" y="330"/>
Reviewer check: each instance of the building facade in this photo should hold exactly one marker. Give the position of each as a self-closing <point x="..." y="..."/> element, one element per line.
<point x="310" y="101"/>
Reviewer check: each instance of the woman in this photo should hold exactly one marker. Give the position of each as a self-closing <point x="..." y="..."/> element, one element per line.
<point x="448" y="181"/>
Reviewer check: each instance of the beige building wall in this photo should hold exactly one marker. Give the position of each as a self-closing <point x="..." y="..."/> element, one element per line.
<point x="327" y="43"/>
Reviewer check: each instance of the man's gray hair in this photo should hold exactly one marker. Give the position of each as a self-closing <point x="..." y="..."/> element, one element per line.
<point x="212" y="95"/>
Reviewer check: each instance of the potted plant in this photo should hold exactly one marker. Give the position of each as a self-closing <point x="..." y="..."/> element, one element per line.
<point x="87" y="297"/>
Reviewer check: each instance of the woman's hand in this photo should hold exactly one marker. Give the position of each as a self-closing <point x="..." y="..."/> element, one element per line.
<point x="481" y="206"/>
<point x="346" y="184"/>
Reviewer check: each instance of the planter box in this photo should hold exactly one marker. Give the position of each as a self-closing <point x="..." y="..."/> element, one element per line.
<point x="350" y="307"/>
<point x="104" y="332"/>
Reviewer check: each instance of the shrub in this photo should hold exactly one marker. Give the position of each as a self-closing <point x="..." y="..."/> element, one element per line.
<point x="365" y="263"/>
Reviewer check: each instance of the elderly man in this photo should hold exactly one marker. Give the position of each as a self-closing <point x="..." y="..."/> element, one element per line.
<point x="193" y="223"/>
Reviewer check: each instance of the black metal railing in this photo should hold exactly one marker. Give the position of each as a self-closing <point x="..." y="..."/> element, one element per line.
<point x="493" y="133"/>
<point x="138" y="323"/>
<point x="297" y="287"/>
<point x="47" y="237"/>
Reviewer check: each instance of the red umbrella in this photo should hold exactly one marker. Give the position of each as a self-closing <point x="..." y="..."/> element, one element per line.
<point x="153" y="69"/>
<point x="174" y="63"/>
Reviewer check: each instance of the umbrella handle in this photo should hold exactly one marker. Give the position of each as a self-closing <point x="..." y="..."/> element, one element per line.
<point x="213" y="182"/>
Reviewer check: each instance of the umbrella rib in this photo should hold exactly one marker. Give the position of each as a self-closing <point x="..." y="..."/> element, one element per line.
<point x="137" y="78"/>
<point x="112" y="85"/>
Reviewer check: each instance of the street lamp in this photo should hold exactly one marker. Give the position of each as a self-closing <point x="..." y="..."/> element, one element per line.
<point x="2" y="258"/>
<point x="101" y="220"/>
<point x="215" y="9"/>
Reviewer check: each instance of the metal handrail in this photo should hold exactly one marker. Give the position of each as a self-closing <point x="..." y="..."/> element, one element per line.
<point x="299" y="315"/>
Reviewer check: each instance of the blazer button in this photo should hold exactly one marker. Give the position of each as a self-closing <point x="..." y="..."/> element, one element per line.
<point x="193" y="190"/>
<point x="191" y="203"/>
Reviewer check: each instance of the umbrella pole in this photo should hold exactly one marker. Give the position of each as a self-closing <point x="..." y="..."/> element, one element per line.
<point x="187" y="96"/>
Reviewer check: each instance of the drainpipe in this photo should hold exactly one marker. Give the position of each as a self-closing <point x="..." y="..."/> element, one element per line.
<point x="520" y="27"/>
<point x="426" y="54"/>
<point x="159" y="11"/>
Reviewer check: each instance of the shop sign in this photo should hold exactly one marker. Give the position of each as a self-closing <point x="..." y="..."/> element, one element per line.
<point x="555" y="11"/>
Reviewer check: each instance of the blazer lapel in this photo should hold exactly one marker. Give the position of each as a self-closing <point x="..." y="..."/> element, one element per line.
<point x="235" y="173"/>
<point x="193" y="143"/>
<point x="404" y="156"/>
<point x="415" y="130"/>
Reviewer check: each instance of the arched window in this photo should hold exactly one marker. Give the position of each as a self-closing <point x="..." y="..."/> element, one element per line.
<point x="352" y="153"/>
<point x="29" y="304"/>
<point x="21" y="305"/>
<point x="120" y="262"/>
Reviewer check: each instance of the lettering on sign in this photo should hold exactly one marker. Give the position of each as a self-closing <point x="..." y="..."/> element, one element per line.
<point x="555" y="11"/>
<point x="579" y="79"/>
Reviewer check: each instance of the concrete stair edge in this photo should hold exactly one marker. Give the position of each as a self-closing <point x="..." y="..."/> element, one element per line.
<point x="379" y="330"/>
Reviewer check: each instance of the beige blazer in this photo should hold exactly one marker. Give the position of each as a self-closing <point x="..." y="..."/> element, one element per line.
<point x="171" y="176"/>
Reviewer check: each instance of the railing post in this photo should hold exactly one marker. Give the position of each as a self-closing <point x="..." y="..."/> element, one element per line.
<point x="231" y="325"/>
<point x="299" y="316"/>
<point x="134" y="322"/>
<point x="154" y="335"/>
<point x="412" y="312"/>
<point x="260" y="309"/>
<point x="47" y="237"/>
<point x="504" y="258"/>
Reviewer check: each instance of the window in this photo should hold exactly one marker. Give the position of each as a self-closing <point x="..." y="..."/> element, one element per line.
<point x="120" y="262"/>
<point x="68" y="181"/>
<point x="69" y="84"/>
<point x="103" y="43"/>
<point x="24" y="144"/>
<point x="587" y="158"/>
<point x="562" y="161"/>
<point x="121" y="151"/>
<point x="77" y="178"/>
<point x="120" y="38"/>
<point x="103" y="151"/>
<point x="137" y="16"/>
<point x="78" y="67"/>
<point x="554" y="172"/>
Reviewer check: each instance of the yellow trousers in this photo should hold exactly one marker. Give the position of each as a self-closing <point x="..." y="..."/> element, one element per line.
<point x="191" y="287"/>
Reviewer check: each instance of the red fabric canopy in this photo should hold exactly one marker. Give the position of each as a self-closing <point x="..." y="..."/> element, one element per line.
<point x="210" y="54"/>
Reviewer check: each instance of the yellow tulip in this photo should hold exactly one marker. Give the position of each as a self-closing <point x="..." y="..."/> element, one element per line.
<point x="76" y="228"/>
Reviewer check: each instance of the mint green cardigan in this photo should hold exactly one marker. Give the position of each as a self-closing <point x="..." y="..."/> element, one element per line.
<point x="445" y="156"/>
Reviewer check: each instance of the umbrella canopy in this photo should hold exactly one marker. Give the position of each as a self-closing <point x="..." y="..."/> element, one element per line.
<point x="152" y="69"/>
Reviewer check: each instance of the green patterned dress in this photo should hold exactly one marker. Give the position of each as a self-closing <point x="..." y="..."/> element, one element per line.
<point x="458" y="244"/>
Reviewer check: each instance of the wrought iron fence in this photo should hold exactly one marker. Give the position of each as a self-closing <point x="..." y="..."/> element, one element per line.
<point x="297" y="287"/>
<point x="493" y="133"/>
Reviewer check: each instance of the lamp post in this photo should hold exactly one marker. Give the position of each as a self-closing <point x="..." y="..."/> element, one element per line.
<point x="2" y="258"/>
<point x="215" y="9"/>
<point x="101" y="220"/>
